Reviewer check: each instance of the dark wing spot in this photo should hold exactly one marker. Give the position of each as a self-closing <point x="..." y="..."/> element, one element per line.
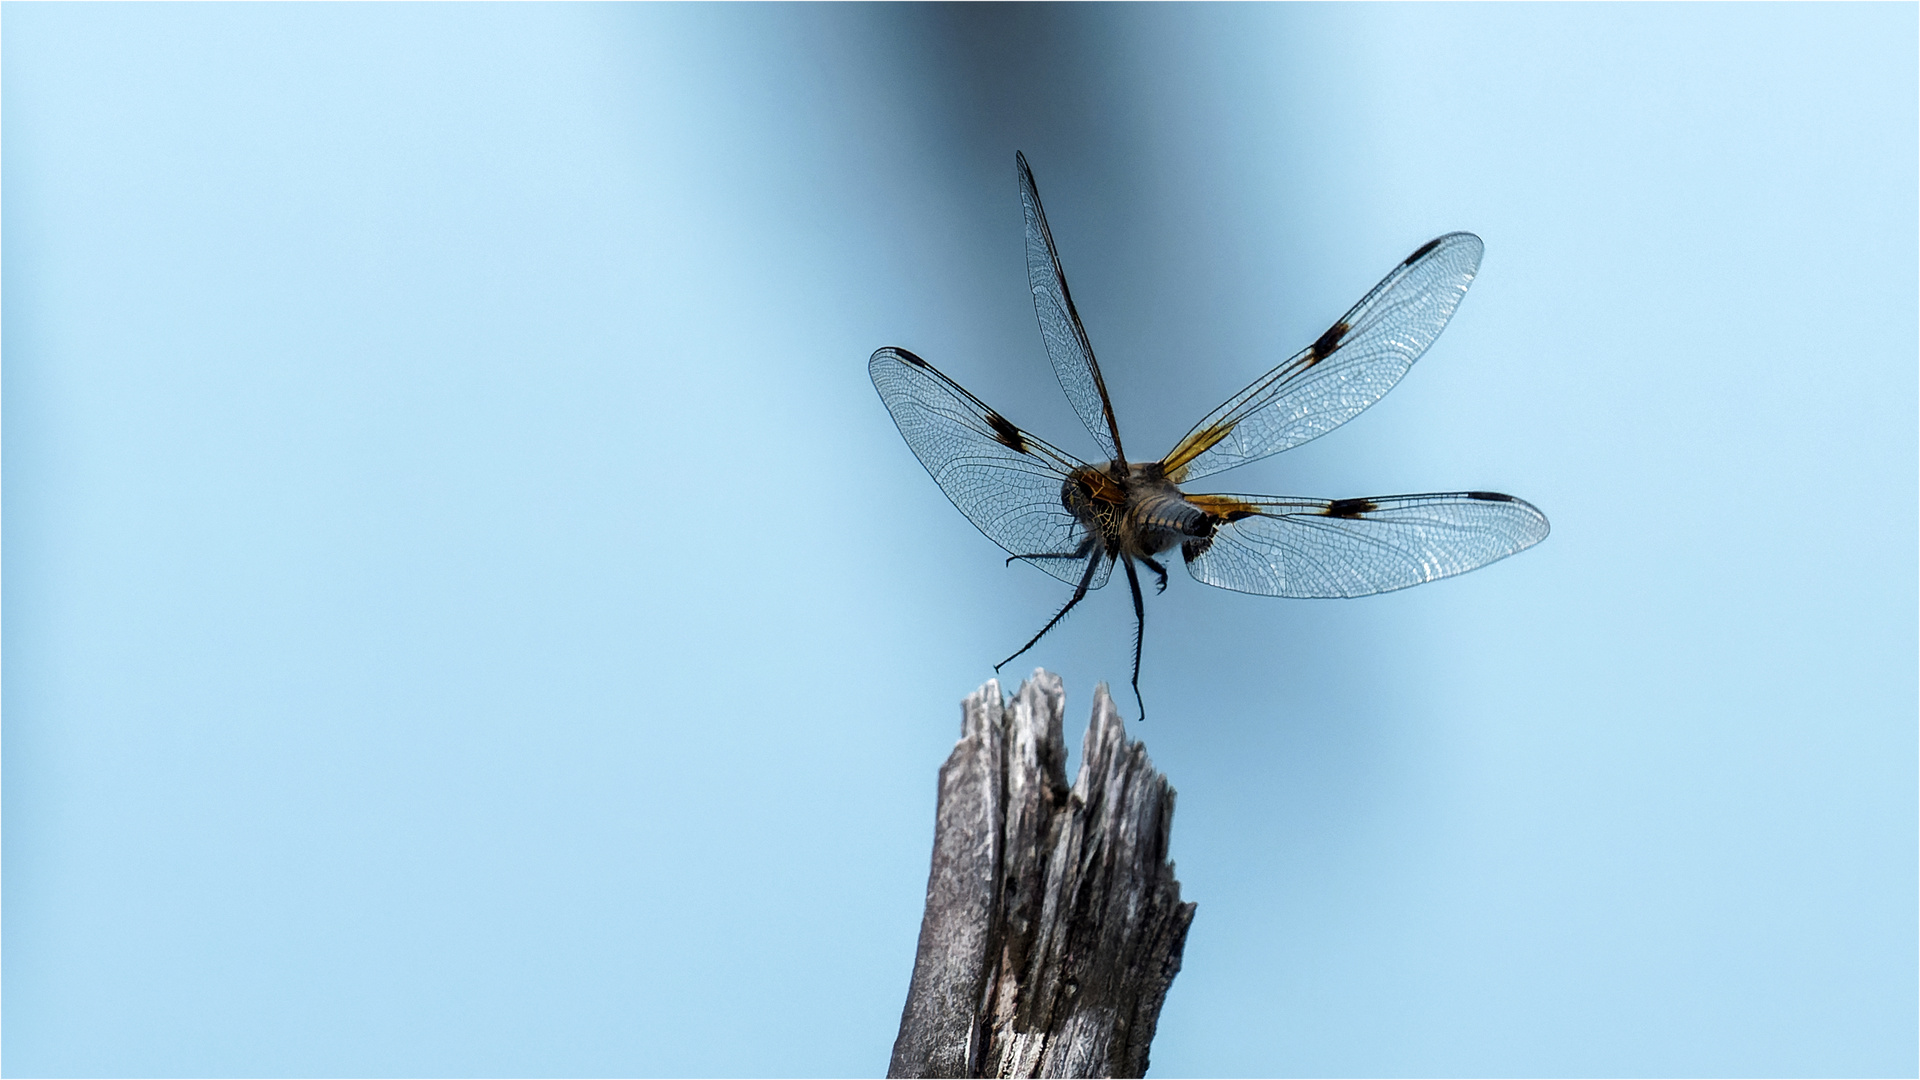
<point x="909" y="357"/>
<point x="1489" y="496"/>
<point x="1323" y="346"/>
<point x="1350" y="508"/>
<point x="1006" y="434"/>
<point x="1424" y="248"/>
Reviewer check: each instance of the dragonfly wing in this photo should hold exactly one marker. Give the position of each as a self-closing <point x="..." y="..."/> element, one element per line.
<point x="1060" y="328"/>
<point x="1345" y="370"/>
<point x="1356" y="547"/>
<point x="1004" y="480"/>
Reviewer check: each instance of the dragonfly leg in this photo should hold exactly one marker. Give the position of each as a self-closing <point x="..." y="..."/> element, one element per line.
<point x="1154" y="565"/>
<point x="1139" y="632"/>
<point x="1079" y="594"/>
<point x="1011" y="559"/>
<point x="1080" y="552"/>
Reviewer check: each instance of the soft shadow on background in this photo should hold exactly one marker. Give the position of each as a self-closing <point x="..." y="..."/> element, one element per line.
<point x="467" y="611"/>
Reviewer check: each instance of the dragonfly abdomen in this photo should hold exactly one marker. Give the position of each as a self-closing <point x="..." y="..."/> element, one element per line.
<point x="1160" y="517"/>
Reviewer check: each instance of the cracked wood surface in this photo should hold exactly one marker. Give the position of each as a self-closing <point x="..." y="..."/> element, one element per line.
<point x="1053" y="925"/>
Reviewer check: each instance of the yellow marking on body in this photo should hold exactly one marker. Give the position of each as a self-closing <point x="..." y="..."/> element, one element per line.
<point x="1100" y="486"/>
<point x="1193" y="446"/>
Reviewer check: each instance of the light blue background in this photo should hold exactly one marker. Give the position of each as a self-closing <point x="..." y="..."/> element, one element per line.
<point x="467" y="611"/>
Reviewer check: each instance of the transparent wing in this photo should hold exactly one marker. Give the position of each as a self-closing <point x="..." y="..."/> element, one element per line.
<point x="1060" y="328"/>
<point x="1355" y="547"/>
<point x="1348" y="368"/>
<point x="1006" y="481"/>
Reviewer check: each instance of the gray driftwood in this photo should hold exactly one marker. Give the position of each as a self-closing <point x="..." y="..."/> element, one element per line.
<point x="1054" y="924"/>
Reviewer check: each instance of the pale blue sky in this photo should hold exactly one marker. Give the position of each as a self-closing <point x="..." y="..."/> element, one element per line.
<point x="467" y="611"/>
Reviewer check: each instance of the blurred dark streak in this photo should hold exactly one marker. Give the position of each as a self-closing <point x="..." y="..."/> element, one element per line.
<point x="1040" y="78"/>
<point x="1027" y="71"/>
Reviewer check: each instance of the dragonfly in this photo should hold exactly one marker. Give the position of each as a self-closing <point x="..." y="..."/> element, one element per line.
<point x="1076" y="520"/>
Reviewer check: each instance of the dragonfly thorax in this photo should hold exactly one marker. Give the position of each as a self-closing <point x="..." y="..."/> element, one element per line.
<point x="1145" y="516"/>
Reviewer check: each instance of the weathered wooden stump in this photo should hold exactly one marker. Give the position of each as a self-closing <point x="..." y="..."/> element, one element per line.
<point x="1054" y="924"/>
